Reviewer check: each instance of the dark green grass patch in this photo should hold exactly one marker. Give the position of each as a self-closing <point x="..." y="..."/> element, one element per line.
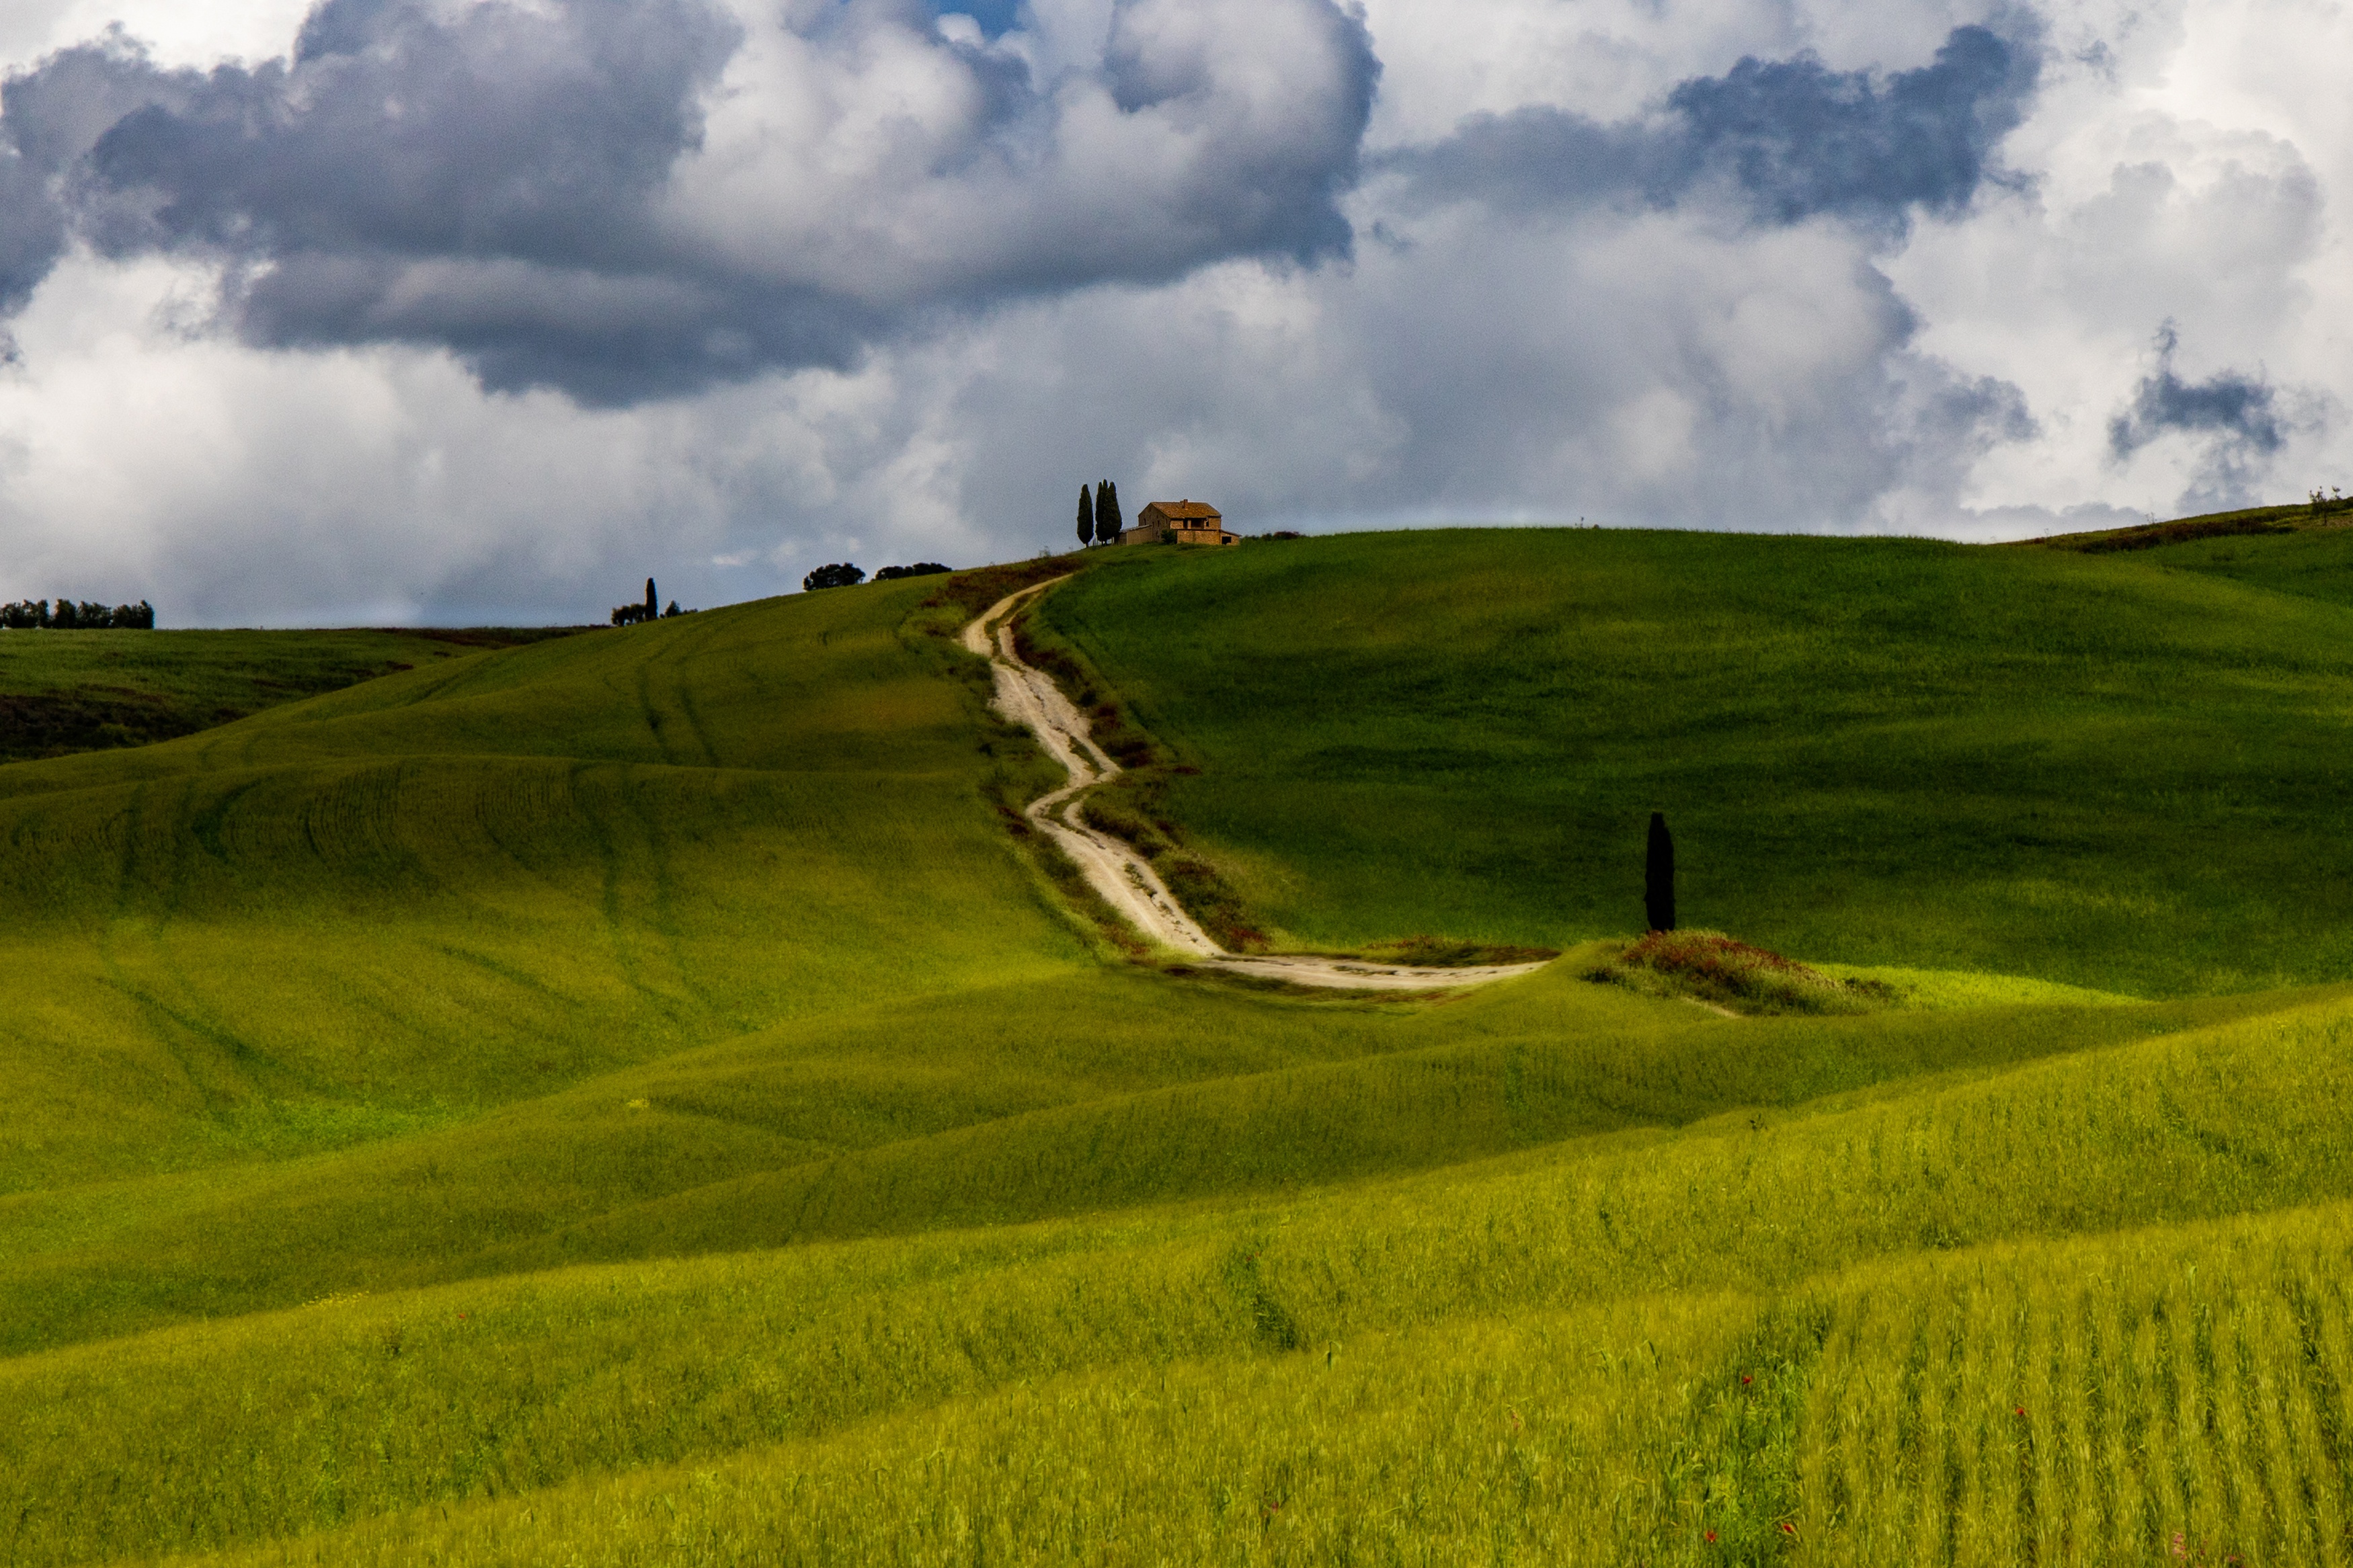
<point x="79" y="691"/>
<point x="2091" y="769"/>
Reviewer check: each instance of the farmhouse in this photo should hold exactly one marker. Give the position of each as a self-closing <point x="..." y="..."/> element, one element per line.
<point x="1178" y="522"/>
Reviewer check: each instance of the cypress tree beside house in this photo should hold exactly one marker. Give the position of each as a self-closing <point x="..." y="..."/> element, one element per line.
<point x="1659" y="881"/>
<point x="1107" y="521"/>
<point x="1086" y="517"/>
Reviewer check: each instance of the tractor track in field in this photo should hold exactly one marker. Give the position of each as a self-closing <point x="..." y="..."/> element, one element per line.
<point x="1027" y="697"/>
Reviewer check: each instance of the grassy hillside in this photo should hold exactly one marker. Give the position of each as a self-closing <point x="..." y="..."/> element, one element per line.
<point x="1592" y="1306"/>
<point x="81" y="691"/>
<point x="448" y="889"/>
<point x="2285" y="549"/>
<point x="628" y="1100"/>
<point x="2096" y="769"/>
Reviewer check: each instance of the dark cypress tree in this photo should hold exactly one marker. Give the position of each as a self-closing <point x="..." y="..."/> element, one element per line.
<point x="1107" y="518"/>
<point x="1659" y="882"/>
<point x="1086" y="518"/>
<point x="653" y="606"/>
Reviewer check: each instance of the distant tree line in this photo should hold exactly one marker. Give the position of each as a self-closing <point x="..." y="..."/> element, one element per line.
<point x="1099" y="521"/>
<point x="848" y="574"/>
<point x="630" y="614"/>
<point x="27" y="614"/>
<point x="836" y="574"/>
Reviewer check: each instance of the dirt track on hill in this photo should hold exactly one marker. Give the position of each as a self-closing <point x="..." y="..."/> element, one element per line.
<point x="1028" y="697"/>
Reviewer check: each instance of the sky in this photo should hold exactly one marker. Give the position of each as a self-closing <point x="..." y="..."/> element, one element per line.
<point x="455" y="311"/>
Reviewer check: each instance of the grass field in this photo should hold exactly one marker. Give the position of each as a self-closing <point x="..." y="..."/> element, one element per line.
<point x="81" y="691"/>
<point x="628" y="1100"/>
<point x="2121" y="770"/>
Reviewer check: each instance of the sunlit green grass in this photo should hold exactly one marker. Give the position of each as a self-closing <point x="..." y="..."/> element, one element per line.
<point x="456" y="887"/>
<point x="630" y="1100"/>
<point x="2156" y="1397"/>
<point x="496" y="1388"/>
<point x="988" y="1107"/>
<point x="2096" y="770"/>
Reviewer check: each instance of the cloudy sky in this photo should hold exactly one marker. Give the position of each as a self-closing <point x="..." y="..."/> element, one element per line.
<point x="481" y="309"/>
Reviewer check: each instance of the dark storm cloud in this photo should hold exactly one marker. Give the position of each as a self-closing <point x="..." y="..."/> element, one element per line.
<point x="32" y="229"/>
<point x="499" y="180"/>
<point x="2239" y="411"/>
<point x="2244" y="422"/>
<point x="1792" y="137"/>
<point x="47" y="121"/>
<point x="496" y="132"/>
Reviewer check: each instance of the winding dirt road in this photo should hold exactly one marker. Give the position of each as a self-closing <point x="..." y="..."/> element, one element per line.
<point x="1028" y="697"/>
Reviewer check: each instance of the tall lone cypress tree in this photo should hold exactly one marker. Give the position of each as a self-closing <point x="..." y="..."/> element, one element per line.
<point x="1086" y="517"/>
<point x="1659" y="881"/>
<point x="653" y="606"/>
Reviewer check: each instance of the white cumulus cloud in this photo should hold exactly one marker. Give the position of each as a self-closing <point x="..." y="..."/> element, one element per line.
<point x="845" y="278"/>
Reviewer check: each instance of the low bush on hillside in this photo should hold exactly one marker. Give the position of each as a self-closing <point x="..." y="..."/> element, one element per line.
<point x="920" y="569"/>
<point x="967" y="593"/>
<point x="1709" y="966"/>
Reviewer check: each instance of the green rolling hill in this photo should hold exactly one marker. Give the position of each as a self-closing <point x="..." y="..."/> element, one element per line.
<point x="630" y="1099"/>
<point x="2123" y="771"/>
<point x="65" y="692"/>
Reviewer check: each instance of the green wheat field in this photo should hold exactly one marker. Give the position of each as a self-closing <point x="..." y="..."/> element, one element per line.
<point x="633" y="1097"/>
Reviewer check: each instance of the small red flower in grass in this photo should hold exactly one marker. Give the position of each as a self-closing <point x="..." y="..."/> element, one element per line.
<point x="2021" y="1410"/>
<point x="1745" y="1380"/>
<point x="1788" y="1528"/>
<point x="1711" y="1538"/>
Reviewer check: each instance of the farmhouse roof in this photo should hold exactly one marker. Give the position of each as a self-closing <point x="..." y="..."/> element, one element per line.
<point x="1186" y="510"/>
